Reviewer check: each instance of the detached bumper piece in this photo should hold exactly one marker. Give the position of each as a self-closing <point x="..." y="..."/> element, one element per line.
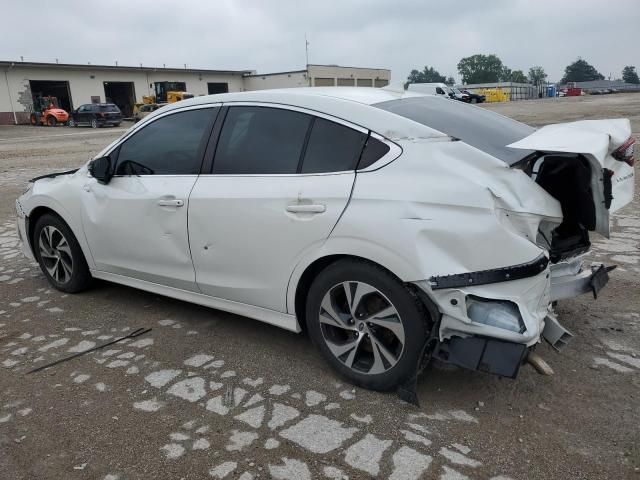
<point x="495" y="275"/>
<point x="487" y="355"/>
<point x="590" y="280"/>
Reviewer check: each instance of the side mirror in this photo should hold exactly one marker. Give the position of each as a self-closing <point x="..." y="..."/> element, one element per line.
<point x="100" y="169"/>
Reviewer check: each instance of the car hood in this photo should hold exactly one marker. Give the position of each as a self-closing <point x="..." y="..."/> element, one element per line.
<point x="57" y="111"/>
<point x="591" y="137"/>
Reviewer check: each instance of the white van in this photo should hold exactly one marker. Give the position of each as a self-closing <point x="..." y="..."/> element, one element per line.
<point x="432" y="89"/>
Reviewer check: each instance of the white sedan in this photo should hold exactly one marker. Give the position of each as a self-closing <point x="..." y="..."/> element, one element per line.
<point x="395" y="227"/>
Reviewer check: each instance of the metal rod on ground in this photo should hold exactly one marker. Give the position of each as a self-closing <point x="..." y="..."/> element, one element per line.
<point x="136" y="333"/>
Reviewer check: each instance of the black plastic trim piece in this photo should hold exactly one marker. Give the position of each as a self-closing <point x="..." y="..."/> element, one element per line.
<point x="212" y="143"/>
<point x="52" y="175"/>
<point x="495" y="275"/>
<point x="496" y="357"/>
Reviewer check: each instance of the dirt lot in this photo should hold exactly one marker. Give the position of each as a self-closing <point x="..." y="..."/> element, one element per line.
<point x="211" y="395"/>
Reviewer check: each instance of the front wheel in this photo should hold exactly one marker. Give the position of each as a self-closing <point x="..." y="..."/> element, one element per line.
<point x="366" y="324"/>
<point x="51" y="121"/>
<point x="59" y="255"/>
<point x="94" y="123"/>
<point x="72" y="123"/>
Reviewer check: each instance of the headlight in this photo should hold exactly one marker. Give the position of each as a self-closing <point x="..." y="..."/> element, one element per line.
<point x="496" y="313"/>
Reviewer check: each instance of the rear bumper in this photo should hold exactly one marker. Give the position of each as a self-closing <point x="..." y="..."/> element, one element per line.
<point x="570" y="279"/>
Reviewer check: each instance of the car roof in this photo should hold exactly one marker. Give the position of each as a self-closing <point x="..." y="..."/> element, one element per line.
<point x="353" y="104"/>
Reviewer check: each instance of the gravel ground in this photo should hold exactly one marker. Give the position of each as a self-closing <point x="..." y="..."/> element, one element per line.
<point x="207" y="394"/>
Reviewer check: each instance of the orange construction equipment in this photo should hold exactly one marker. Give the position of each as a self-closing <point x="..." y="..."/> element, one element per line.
<point x="47" y="112"/>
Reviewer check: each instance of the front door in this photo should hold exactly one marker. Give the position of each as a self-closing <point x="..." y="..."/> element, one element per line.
<point x="136" y="225"/>
<point x="280" y="181"/>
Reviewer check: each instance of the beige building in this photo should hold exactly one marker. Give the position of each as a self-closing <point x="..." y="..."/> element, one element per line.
<point x="320" y="76"/>
<point x="74" y="85"/>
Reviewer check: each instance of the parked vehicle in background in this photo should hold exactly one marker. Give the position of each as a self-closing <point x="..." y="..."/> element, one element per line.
<point x="474" y="97"/>
<point x="441" y="89"/>
<point x="47" y="112"/>
<point x="146" y="109"/>
<point x="461" y="96"/>
<point x="96" y="115"/>
<point x="398" y="227"/>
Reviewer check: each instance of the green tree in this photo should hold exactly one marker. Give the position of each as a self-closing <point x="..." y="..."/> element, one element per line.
<point x="480" y="69"/>
<point x="629" y="74"/>
<point x="518" y="76"/>
<point x="537" y="75"/>
<point x="450" y="81"/>
<point x="505" y="74"/>
<point x="428" y="75"/>
<point x="580" y="71"/>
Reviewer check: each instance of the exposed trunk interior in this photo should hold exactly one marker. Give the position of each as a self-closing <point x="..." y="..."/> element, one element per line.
<point x="568" y="179"/>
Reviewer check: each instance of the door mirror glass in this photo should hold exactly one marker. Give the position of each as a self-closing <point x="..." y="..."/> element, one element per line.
<point x="100" y="169"/>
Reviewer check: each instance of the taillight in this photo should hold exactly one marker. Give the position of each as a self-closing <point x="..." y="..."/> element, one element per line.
<point x="624" y="152"/>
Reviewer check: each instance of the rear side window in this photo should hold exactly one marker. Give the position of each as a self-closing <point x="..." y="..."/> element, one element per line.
<point x="168" y="146"/>
<point x="261" y="140"/>
<point x="332" y="148"/>
<point x="373" y="151"/>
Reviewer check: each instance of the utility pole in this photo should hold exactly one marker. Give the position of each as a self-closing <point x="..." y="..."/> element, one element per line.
<point x="306" y="48"/>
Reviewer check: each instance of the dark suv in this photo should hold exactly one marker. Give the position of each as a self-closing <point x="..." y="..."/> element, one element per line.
<point x="96" y="115"/>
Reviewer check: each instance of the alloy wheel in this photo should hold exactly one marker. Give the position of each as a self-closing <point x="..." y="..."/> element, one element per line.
<point x="361" y="327"/>
<point x="55" y="254"/>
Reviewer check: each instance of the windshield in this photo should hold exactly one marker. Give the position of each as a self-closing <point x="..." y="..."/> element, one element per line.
<point x="480" y="128"/>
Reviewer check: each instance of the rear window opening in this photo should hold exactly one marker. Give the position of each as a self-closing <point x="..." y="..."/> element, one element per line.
<point x="108" y="108"/>
<point x="475" y="126"/>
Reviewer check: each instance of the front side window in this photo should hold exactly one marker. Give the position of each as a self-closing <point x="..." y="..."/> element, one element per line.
<point x="261" y="140"/>
<point x="168" y="146"/>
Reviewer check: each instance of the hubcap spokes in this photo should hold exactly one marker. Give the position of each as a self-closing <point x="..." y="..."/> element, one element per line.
<point x="55" y="253"/>
<point x="361" y="327"/>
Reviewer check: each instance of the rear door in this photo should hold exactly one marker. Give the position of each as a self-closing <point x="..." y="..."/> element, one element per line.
<point x="280" y="180"/>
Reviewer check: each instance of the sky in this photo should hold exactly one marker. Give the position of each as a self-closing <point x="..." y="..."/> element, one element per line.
<point x="269" y="35"/>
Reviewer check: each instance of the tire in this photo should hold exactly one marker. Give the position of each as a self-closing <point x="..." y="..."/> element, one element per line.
<point x="405" y="314"/>
<point x="116" y="124"/>
<point x="94" y="123"/>
<point x="59" y="255"/>
<point x="72" y="123"/>
<point x="51" y="121"/>
<point x="474" y="100"/>
<point x="33" y="120"/>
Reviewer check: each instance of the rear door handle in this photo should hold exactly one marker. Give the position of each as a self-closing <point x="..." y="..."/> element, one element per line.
<point x="170" y="203"/>
<point x="303" y="208"/>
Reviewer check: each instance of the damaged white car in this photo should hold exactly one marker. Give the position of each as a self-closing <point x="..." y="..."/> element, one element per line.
<point x="392" y="226"/>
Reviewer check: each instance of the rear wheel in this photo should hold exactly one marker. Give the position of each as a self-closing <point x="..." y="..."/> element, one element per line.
<point x="51" y="121"/>
<point x="94" y="123"/>
<point x="366" y="324"/>
<point x="33" y="119"/>
<point x="59" y="255"/>
<point x="474" y="100"/>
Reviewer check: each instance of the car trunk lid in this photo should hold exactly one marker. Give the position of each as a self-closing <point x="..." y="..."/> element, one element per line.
<point x="607" y="147"/>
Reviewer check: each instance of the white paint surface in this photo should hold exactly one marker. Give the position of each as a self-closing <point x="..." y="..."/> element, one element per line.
<point x="458" y="458"/>
<point x="291" y="470"/>
<point x="318" y="433"/>
<point x="409" y="464"/>
<point x="240" y="440"/>
<point x="313" y="398"/>
<point x="414" y="437"/>
<point x="252" y="417"/>
<point x="222" y="470"/>
<point x="279" y="389"/>
<point x="173" y="450"/>
<point x="190" y="389"/>
<point x="152" y="405"/>
<point x="162" y="377"/>
<point x="198" y="360"/>
<point x="366" y="454"/>
<point x="281" y="415"/>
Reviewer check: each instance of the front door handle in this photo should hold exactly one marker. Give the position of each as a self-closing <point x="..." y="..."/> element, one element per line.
<point x="170" y="203"/>
<point x="305" y="208"/>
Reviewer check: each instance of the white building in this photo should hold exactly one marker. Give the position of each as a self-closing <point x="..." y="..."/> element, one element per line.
<point x="74" y="85"/>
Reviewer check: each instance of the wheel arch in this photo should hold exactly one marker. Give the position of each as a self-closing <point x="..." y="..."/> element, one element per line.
<point x="40" y="210"/>
<point x="310" y="272"/>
